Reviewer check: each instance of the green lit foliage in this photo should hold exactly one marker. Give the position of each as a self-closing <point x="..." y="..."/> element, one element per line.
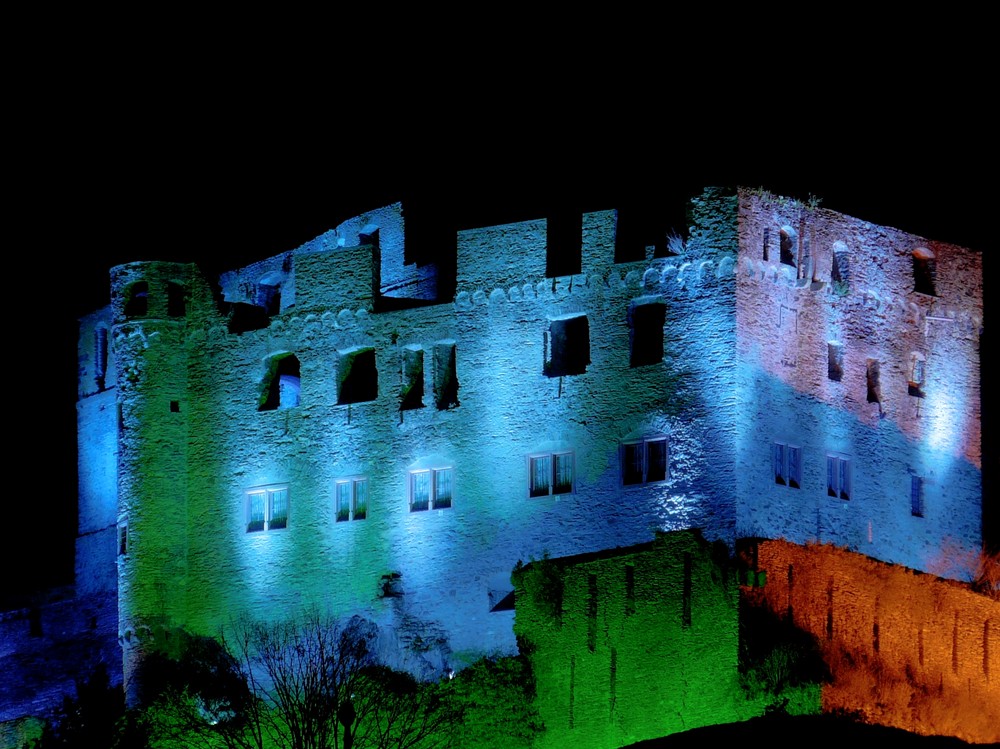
<point x="495" y="697"/>
<point x="776" y="657"/>
<point x="311" y="683"/>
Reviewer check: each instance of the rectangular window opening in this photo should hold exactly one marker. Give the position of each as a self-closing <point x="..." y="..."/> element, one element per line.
<point x="431" y="489"/>
<point x="550" y="474"/>
<point x="787" y="464"/>
<point x="644" y="461"/>
<point x="838" y="476"/>
<point x="352" y="499"/>
<point x="567" y="346"/>
<point x="266" y="508"/>
<point x="646" y="321"/>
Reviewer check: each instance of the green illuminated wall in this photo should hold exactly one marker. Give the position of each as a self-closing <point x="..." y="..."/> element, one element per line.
<point x="632" y="643"/>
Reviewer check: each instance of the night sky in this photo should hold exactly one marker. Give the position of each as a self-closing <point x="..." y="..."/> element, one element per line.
<point x="215" y="199"/>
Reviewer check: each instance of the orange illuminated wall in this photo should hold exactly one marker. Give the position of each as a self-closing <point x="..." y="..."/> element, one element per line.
<point x="905" y="649"/>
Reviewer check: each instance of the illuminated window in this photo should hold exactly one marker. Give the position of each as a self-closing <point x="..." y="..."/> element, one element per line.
<point x="838" y="476"/>
<point x="352" y="498"/>
<point x="917" y="496"/>
<point x="918" y="370"/>
<point x="644" y="461"/>
<point x="266" y="508"/>
<point x="550" y="473"/>
<point x="787" y="462"/>
<point x="431" y="489"/>
<point x="567" y="345"/>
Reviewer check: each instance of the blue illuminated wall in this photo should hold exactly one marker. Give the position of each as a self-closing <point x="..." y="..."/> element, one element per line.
<point x="195" y="435"/>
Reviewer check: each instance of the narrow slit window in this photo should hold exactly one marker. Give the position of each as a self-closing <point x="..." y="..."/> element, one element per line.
<point x="924" y="272"/>
<point x="412" y="393"/>
<point x="872" y="379"/>
<point x="917" y="496"/>
<point x="918" y="371"/>
<point x="445" y="375"/>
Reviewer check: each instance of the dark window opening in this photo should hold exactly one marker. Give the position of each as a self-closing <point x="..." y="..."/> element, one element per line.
<point x="269" y="297"/>
<point x="281" y="383"/>
<point x="645" y="461"/>
<point x="175" y="407"/>
<point x="646" y="333"/>
<point x="445" y="375"/>
<point x="767" y="240"/>
<point x="568" y="346"/>
<point x="834" y="361"/>
<point x="176" y="299"/>
<point x="100" y="357"/>
<point x="872" y="377"/>
<point x="122" y="540"/>
<point x="787" y="246"/>
<point x="840" y="269"/>
<point x="245" y="317"/>
<point x="412" y="393"/>
<point x="137" y="301"/>
<point x="924" y="271"/>
<point x="563" y="256"/>
<point x="358" y="376"/>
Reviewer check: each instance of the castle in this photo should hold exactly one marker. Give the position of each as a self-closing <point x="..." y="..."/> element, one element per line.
<point x="325" y="431"/>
